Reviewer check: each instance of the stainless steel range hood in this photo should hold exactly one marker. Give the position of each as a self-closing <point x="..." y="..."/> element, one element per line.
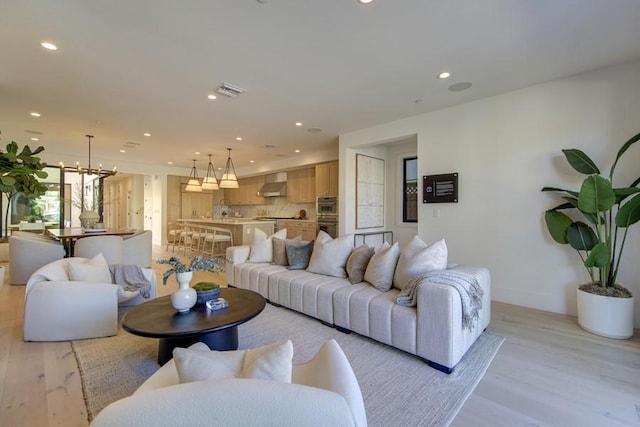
<point x="275" y="185"/>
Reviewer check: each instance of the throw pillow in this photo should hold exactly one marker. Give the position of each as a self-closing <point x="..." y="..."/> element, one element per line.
<point x="299" y="256"/>
<point x="271" y="362"/>
<point x="330" y="255"/>
<point x="262" y="246"/>
<point x="95" y="269"/>
<point x="418" y="258"/>
<point x="280" y="249"/>
<point x="382" y="265"/>
<point x="357" y="263"/>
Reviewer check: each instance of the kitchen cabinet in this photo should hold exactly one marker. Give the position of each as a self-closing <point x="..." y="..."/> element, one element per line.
<point x="246" y="193"/>
<point x="327" y="179"/>
<point x="295" y="227"/>
<point x="301" y="186"/>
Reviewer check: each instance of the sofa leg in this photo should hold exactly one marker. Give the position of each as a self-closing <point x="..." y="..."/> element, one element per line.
<point x="343" y="330"/>
<point x="439" y="367"/>
<point x="330" y="325"/>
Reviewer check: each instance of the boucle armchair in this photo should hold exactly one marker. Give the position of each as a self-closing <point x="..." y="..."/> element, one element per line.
<point x="28" y="252"/>
<point x="59" y="309"/>
<point x="323" y="391"/>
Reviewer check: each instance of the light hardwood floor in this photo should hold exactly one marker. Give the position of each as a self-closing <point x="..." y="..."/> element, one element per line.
<point x="549" y="372"/>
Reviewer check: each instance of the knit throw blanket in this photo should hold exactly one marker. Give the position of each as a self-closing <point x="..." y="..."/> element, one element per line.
<point x="467" y="286"/>
<point x="131" y="278"/>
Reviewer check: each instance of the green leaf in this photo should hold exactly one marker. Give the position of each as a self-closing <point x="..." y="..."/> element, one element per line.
<point x="572" y="193"/>
<point x="629" y="213"/>
<point x="599" y="257"/>
<point x="558" y="224"/>
<point x="592" y="218"/>
<point x="623" y="193"/>
<point x="580" y="161"/>
<point x="596" y="195"/>
<point x="622" y="150"/>
<point x="581" y="237"/>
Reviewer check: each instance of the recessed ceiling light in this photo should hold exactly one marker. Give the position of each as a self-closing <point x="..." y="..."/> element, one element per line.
<point x="49" y="46"/>
<point x="34" y="114"/>
<point x="122" y="151"/>
<point x="35" y="139"/>
<point x="169" y="163"/>
<point x="251" y="161"/>
<point x="212" y="96"/>
<point x="238" y="138"/>
<point x="298" y="124"/>
<point x="365" y="1"/>
<point x="444" y="75"/>
<point x="146" y="134"/>
<point x="197" y="153"/>
<point x="297" y="151"/>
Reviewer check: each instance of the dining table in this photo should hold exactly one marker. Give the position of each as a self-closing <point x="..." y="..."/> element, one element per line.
<point x="69" y="235"/>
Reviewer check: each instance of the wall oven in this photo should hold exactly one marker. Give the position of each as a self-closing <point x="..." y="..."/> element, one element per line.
<point x="327" y="215"/>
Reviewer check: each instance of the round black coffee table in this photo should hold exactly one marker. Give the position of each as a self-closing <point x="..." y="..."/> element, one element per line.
<point x="218" y="329"/>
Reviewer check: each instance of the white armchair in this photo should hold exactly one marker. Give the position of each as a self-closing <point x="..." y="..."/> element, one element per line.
<point x="323" y="392"/>
<point x="58" y="309"/>
<point x="28" y="252"/>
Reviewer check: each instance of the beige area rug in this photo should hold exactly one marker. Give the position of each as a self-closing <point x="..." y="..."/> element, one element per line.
<point x="398" y="389"/>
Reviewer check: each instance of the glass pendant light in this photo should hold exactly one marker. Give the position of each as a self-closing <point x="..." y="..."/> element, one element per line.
<point x="229" y="178"/>
<point x="194" y="182"/>
<point x="210" y="182"/>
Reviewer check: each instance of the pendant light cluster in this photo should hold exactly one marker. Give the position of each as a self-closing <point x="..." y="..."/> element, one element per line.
<point x="102" y="173"/>
<point x="210" y="181"/>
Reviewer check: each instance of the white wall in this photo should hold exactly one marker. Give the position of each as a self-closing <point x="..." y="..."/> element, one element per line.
<point x="506" y="148"/>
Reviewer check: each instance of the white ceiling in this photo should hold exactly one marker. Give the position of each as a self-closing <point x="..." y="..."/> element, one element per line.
<point x="125" y="67"/>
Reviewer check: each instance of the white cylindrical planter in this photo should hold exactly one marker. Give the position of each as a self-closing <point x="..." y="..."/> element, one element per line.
<point x="185" y="297"/>
<point x="609" y="317"/>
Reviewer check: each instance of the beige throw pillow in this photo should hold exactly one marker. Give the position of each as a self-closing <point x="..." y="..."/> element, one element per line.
<point x="262" y="246"/>
<point x="280" y="249"/>
<point x="381" y="266"/>
<point x="271" y="362"/>
<point x="357" y="263"/>
<point x="329" y="256"/>
<point x="418" y="258"/>
<point x="95" y="270"/>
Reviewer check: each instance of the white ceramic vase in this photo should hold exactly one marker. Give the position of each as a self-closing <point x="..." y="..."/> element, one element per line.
<point x="605" y="316"/>
<point x="185" y="297"/>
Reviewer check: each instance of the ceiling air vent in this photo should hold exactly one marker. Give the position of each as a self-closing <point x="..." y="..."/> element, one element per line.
<point x="227" y="89"/>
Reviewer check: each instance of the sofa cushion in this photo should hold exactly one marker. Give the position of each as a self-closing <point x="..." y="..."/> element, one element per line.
<point x="280" y="249"/>
<point x="330" y="255"/>
<point x="262" y="246"/>
<point x="418" y="258"/>
<point x="271" y="362"/>
<point x="357" y="263"/>
<point x="299" y="256"/>
<point x="95" y="269"/>
<point x="382" y="266"/>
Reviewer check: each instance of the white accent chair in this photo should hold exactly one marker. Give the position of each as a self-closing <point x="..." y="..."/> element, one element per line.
<point x="137" y="248"/>
<point x="324" y="391"/>
<point x="28" y="252"/>
<point x="111" y="247"/>
<point x="58" y="309"/>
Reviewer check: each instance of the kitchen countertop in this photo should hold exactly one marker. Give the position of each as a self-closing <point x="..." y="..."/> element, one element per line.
<point x="229" y="221"/>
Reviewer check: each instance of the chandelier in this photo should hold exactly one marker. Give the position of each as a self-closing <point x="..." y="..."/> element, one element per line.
<point x="194" y="182"/>
<point x="102" y="173"/>
<point x="229" y="178"/>
<point x="210" y="182"/>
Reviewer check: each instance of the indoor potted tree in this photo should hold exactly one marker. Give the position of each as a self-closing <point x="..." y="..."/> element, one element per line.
<point x="19" y="173"/>
<point x="604" y="307"/>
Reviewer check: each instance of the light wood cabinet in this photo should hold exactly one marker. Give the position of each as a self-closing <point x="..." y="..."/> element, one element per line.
<point x="246" y="193"/>
<point x="301" y="186"/>
<point x="298" y="227"/>
<point x="327" y="179"/>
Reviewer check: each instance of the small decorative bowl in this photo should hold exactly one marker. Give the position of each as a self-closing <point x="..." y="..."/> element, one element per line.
<point x="204" y="296"/>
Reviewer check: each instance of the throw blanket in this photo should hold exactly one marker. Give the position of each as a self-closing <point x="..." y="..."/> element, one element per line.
<point x="131" y="278"/>
<point x="467" y="286"/>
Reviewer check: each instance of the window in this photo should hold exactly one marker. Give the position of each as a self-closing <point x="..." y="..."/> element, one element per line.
<point x="410" y="190"/>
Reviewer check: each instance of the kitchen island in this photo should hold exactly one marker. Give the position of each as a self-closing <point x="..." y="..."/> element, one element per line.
<point x="242" y="229"/>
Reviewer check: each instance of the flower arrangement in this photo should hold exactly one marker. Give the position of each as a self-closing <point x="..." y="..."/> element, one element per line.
<point x="197" y="263"/>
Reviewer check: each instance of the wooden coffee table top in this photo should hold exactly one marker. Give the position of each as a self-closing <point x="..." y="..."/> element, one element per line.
<point x="158" y="319"/>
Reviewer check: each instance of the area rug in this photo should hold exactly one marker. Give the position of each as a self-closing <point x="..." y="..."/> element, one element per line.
<point x="398" y="389"/>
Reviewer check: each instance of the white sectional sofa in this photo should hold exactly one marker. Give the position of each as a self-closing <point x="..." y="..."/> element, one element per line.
<point x="432" y="330"/>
